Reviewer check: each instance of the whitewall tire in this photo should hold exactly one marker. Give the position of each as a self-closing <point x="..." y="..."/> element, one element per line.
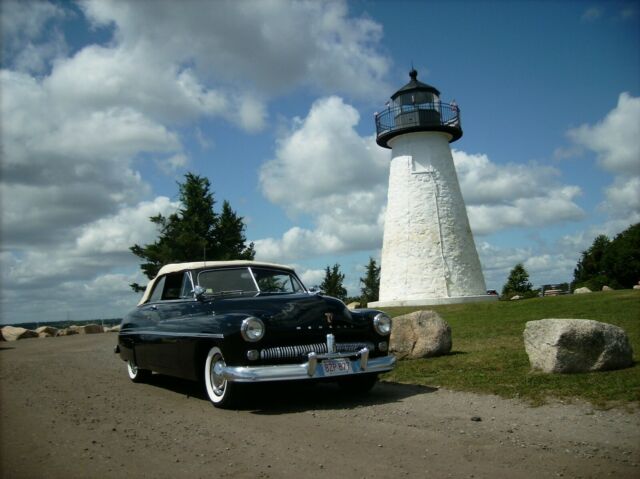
<point x="136" y="374"/>
<point x="219" y="390"/>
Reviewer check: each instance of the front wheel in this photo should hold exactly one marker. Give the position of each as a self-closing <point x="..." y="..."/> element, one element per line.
<point x="136" y="374"/>
<point x="219" y="390"/>
<point x="358" y="384"/>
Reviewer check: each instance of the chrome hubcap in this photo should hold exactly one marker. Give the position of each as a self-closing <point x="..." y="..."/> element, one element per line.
<point x="217" y="379"/>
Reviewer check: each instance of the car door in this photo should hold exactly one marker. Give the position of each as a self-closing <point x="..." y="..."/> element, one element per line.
<point x="173" y="332"/>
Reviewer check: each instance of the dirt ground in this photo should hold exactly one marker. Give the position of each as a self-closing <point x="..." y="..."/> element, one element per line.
<point x="68" y="410"/>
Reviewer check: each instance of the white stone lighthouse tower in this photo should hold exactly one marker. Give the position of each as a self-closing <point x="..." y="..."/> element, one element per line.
<point x="428" y="253"/>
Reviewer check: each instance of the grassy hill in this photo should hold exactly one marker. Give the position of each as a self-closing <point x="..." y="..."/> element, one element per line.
<point x="488" y="353"/>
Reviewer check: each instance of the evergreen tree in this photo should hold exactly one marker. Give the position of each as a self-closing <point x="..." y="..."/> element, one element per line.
<point x="517" y="282"/>
<point x="370" y="283"/>
<point x="622" y="258"/>
<point x="195" y="232"/>
<point x="590" y="270"/>
<point x="332" y="283"/>
<point x="231" y="242"/>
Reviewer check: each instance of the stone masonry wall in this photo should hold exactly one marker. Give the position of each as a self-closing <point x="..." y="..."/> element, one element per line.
<point x="428" y="248"/>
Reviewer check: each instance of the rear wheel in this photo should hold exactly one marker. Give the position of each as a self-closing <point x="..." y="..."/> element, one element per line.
<point x="220" y="391"/>
<point x="136" y="374"/>
<point x="359" y="384"/>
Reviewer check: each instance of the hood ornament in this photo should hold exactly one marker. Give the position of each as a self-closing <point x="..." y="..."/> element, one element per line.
<point x="329" y="318"/>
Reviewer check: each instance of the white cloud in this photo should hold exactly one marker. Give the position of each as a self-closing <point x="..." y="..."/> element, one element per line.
<point x="615" y="138"/>
<point x="129" y="226"/>
<point x="268" y="46"/>
<point x="323" y="168"/>
<point x="513" y="195"/>
<point x="543" y="267"/>
<point x="615" y="141"/>
<point x="23" y="44"/>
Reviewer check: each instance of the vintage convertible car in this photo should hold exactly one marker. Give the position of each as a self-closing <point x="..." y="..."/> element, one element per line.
<point x="247" y="322"/>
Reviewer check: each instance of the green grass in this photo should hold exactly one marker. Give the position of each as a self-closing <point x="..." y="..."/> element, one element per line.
<point x="488" y="353"/>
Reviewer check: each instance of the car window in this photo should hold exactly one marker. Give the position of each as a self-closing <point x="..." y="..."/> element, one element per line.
<point x="156" y="295"/>
<point x="172" y="286"/>
<point x="273" y="281"/>
<point x="216" y="281"/>
<point x="187" y="287"/>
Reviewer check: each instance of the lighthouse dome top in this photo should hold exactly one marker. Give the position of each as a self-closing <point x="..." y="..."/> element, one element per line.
<point x="415" y="86"/>
<point x="416" y="107"/>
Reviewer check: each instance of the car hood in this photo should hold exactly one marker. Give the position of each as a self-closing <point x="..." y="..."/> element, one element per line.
<point x="293" y="312"/>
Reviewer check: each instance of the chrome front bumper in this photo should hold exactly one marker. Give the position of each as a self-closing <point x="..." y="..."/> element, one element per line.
<point x="312" y="369"/>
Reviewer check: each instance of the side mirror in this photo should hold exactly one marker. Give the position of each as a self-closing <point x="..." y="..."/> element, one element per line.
<point x="198" y="292"/>
<point x="315" y="290"/>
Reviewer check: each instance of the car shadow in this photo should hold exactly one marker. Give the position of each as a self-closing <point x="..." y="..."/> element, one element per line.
<point x="296" y="396"/>
<point x="288" y="398"/>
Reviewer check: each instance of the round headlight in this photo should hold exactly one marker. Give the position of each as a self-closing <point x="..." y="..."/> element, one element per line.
<point x="382" y="324"/>
<point x="252" y="329"/>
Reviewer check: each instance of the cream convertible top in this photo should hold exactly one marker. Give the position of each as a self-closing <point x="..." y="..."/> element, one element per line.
<point x="177" y="267"/>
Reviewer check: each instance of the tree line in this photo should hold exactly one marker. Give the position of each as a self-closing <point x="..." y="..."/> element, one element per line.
<point x="614" y="263"/>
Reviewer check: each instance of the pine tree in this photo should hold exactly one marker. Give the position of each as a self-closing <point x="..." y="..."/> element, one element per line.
<point x="332" y="283"/>
<point x="590" y="270"/>
<point x="622" y="258"/>
<point x="370" y="283"/>
<point x="195" y="232"/>
<point x="517" y="282"/>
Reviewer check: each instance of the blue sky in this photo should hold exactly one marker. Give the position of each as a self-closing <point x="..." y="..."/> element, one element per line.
<point x="106" y="105"/>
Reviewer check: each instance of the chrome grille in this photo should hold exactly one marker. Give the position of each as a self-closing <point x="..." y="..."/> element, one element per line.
<point x="302" y="350"/>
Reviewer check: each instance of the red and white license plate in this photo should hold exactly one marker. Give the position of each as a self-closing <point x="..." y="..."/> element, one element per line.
<point x="334" y="367"/>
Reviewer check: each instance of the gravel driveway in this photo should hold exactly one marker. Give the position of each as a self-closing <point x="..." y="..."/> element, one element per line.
<point x="68" y="410"/>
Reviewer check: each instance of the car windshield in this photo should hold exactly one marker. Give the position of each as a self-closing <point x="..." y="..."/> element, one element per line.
<point x="248" y="280"/>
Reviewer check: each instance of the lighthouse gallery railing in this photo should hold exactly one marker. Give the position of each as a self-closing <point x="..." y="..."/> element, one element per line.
<point x="428" y="116"/>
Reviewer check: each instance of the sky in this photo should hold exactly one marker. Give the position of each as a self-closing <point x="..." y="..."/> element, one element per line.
<point x="105" y="105"/>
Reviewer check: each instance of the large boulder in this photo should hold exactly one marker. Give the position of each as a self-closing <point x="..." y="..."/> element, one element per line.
<point x="87" y="329"/>
<point x="420" y="334"/>
<point x="47" y="331"/>
<point x="582" y="290"/>
<point x="68" y="331"/>
<point x="576" y="345"/>
<point x="12" y="333"/>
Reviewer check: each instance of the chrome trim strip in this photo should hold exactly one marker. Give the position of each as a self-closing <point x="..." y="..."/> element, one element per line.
<point x="166" y="333"/>
<point x="309" y="370"/>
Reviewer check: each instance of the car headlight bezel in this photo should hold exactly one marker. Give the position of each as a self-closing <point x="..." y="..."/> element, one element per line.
<point x="252" y="329"/>
<point x="382" y="324"/>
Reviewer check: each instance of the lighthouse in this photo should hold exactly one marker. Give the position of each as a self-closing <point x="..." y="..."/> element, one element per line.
<point x="428" y="253"/>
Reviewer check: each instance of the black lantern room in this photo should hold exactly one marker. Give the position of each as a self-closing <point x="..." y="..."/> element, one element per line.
<point x="417" y="107"/>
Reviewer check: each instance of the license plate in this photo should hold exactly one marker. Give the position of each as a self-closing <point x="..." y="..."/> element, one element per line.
<point x="334" y="367"/>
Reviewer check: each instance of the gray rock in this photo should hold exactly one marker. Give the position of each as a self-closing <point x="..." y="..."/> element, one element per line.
<point x="576" y="345"/>
<point x="582" y="290"/>
<point x="47" y="331"/>
<point x="88" y="329"/>
<point x="420" y="334"/>
<point x="12" y="333"/>
<point x="515" y="298"/>
<point x="607" y="288"/>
